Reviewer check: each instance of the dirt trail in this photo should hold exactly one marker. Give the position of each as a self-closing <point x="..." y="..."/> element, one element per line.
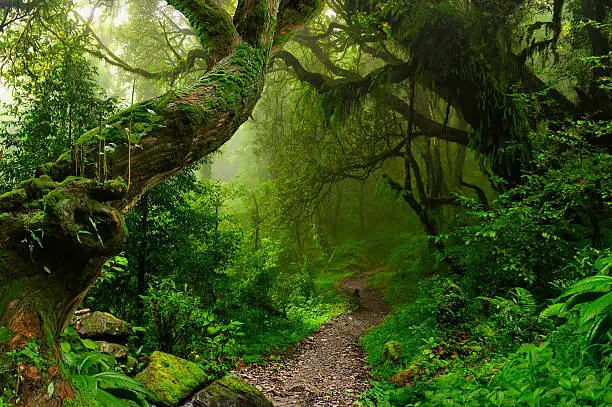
<point x="328" y="368"/>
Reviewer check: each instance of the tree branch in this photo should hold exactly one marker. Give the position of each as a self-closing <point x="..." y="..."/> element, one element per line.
<point x="323" y="83"/>
<point x="212" y="25"/>
<point x="183" y="65"/>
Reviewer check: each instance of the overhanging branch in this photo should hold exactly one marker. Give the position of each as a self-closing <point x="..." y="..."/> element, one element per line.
<point x="323" y="83"/>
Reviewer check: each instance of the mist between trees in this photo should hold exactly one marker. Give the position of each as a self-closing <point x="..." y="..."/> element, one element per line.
<point x="211" y="171"/>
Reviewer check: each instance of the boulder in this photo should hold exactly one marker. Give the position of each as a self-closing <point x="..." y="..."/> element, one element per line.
<point x="102" y="326"/>
<point x="171" y="379"/>
<point x="119" y="352"/>
<point x="231" y="392"/>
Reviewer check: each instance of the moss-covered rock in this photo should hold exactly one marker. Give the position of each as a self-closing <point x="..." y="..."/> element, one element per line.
<point x="171" y="379"/>
<point x="408" y="376"/>
<point x="12" y="200"/>
<point x="102" y="325"/>
<point x="231" y="392"/>
<point x="119" y="352"/>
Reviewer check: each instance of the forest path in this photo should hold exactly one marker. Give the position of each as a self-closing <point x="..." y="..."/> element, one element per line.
<point x="326" y="369"/>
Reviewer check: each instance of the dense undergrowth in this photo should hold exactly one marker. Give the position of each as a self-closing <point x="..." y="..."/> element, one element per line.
<point x="519" y="314"/>
<point x="485" y="124"/>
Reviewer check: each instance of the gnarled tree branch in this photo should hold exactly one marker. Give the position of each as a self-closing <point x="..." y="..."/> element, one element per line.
<point x="78" y="201"/>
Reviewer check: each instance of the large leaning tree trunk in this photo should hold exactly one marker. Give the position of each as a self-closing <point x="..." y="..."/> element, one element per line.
<point x="57" y="229"/>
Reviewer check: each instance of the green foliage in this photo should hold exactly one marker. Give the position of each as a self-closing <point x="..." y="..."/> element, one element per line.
<point x="177" y="317"/>
<point x="48" y="113"/>
<point x="94" y="372"/>
<point x="592" y="296"/>
<point x="178" y="324"/>
<point x="97" y="374"/>
<point x="31" y="354"/>
<point x="531" y="377"/>
<point x="528" y="234"/>
<point x="516" y="315"/>
<point x="408" y="326"/>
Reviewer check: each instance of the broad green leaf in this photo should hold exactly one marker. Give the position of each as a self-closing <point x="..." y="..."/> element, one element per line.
<point x="65" y="346"/>
<point x="602" y="305"/>
<point x="119" y="380"/>
<point x="594" y="284"/>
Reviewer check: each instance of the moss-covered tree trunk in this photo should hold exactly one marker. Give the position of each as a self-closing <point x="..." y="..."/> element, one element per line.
<point x="58" y="229"/>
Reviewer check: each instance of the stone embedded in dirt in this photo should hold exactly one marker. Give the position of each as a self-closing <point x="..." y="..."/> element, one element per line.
<point x="119" y="352"/>
<point x="171" y="379"/>
<point x="230" y="392"/>
<point x="102" y="326"/>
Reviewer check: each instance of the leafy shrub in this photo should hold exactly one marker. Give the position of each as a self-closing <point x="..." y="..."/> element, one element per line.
<point x="531" y="377"/>
<point x="516" y="316"/>
<point x="181" y="326"/>
<point x="592" y="297"/>
<point x="31" y="353"/>
<point x="98" y="375"/>
<point x="450" y="302"/>
<point x="177" y="319"/>
<point x="95" y="371"/>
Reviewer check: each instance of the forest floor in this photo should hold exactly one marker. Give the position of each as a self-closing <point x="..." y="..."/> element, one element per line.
<point x="327" y="369"/>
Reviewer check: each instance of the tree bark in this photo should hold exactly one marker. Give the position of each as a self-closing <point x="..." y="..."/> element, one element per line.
<point x="58" y="229"/>
<point x="143" y="258"/>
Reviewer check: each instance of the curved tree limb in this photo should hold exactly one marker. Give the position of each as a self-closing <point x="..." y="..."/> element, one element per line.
<point x="323" y="83"/>
<point x="58" y="229"/>
<point x="212" y="25"/>
<point x="184" y="63"/>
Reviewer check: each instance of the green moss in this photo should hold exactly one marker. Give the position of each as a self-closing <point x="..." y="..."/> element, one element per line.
<point x="33" y="219"/>
<point x="239" y="386"/>
<point x="233" y="86"/>
<point x="392" y="351"/>
<point x="290" y="18"/>
<point x="115" y="186"/>
<point x="103" y="325"/>
<point x="138" y="120"/>
<point x="232" y="391"/>
<point x="36" y="188"/>
<point x="171" y="379"/>
<point x="212" y="24"/>
<point x="82" y="398"/>
<point x="12" y="200"/>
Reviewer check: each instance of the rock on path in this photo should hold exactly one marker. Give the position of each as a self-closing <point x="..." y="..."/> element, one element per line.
<point x="327" y="369"/>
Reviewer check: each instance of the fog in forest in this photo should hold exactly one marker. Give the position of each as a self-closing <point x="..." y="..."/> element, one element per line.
<point x="305" y="203"/>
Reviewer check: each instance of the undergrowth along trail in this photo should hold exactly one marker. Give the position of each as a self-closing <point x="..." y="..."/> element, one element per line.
<point x="327" y="369"/>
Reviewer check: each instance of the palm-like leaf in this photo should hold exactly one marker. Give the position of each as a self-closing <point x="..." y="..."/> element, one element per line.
<point x="594" y="295"/>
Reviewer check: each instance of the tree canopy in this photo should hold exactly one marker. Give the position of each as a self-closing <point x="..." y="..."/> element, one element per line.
<point x="465" y="144"/>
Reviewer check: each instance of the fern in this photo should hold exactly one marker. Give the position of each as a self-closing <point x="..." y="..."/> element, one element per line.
<point x="552" y="310"/>
<point x="524" y="300"/>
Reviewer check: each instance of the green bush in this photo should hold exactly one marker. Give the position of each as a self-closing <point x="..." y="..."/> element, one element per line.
<point x="178" y="324"/>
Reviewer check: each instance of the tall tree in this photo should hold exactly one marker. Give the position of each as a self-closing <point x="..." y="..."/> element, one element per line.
<point x="56" y="230"/>
<point x="460" y="71"/>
